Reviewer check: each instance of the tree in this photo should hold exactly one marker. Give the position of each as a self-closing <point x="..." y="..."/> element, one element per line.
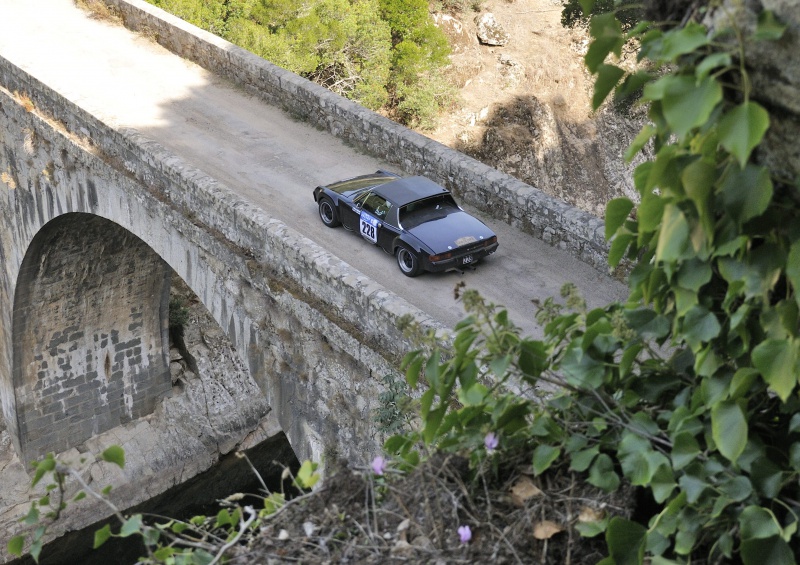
<point x="381" y="53"/>
<point x="342" y="45"/>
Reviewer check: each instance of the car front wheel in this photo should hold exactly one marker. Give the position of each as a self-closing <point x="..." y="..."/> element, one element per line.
<point x="408" y="261"/>
<point x="327" y="212"/>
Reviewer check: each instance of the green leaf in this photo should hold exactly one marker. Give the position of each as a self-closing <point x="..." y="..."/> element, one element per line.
<point x="202" y="557"/>
<point x="658" y="560"/>
<point x="698" y="180"/>
<point x="132" y="525"/>
<point x="532" y="358"/>
<point x="683" y="40"/>
<point x="646" y="133"/>
<point x="432" y="423"/>
<point x="626" y="541"/>
<point x="693" y="274"/>
<point x="618" y="248"/>
<point x="777" y="361"/>
<point x="663" y="483"/>
<point x="602" y="475"/>
<point x="16" y="545"/>
<point x="36" y="547"/>
<point x="607" y="78"/>
<point x="767" y="477"/>
<point x="700" y="326"/>
<point x="737" y="488"/>
<point x="673" y="241"/>
<point x="162" y="554"/>
<point x="768" y="27"/>
<point x="650" y="213"/>
<point x="591" y="529"/>
<point x="685" y="449"/>
<point x="543" y="456"/>
<point x="307" y="476"/>
<point x="647" y="323"/>
<point x="499" y="365"/>
<point x="688" y="104"/>
<point x="746" y="193"/>
<point x="607" y="34"/>
<point x="774" y="551"/>
<point x="413" y="367"/>
<point x="742" y="129"/>
<point x="513" y="417"/>
<point x="793" y="269"/>
<point x="628" y="357"/>
<point x="473" y="396"/>
<point x="223" y="518"/>
<point x="711" y="62"/>
<point x="617" y="211"/>
<point x="581" y="369"/>
<point x="729" y="429"/>
<point x="432" y="372"/>
<point x="44" y="466"/>
<point x="114" y="454"/>
<point x="756" y="522"/>
<point x="32" y="516"/>
<point x="425" y="402"/>
<point x="581" y="460"/>
<point x="693" y="487"/>
<point x="101" y="536"/>
<point x="587" y="6"/>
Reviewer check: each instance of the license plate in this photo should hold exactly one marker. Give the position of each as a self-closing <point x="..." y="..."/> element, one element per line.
<point x="467" y="259"/>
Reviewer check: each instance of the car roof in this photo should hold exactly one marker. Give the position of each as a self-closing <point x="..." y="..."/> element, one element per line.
<point x="410" y="189"/>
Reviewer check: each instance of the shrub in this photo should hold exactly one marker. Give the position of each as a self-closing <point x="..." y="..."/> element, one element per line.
<point x="689" y="389"/>
<point x="381" y="53"/>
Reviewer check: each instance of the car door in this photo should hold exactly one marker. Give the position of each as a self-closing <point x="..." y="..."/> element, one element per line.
<point x="349" y="212"/>
<point x="373" y="211"/>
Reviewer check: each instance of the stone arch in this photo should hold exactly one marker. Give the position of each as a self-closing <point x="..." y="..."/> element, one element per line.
<point x="90" y="333"/>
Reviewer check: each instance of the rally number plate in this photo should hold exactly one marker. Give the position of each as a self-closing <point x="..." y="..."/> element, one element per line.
<point x="368" y="226"/>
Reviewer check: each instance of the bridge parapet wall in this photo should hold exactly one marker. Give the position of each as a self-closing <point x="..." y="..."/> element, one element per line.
<point x="493" y="192"/>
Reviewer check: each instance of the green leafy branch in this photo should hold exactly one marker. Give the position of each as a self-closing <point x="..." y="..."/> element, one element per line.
<point x="689" y="390"/>
<point x="205" y="540"/>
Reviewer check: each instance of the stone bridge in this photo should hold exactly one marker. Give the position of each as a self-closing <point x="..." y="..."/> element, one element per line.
<point x="98" y="219"/>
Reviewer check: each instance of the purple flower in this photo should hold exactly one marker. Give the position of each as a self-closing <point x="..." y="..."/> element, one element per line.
<point x="491" y="441"/>
<point x="378" y="465"/>
<point x="464" y="534"/>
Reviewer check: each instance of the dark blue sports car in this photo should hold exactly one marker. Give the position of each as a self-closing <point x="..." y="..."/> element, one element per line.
<point x="412" y="218"/>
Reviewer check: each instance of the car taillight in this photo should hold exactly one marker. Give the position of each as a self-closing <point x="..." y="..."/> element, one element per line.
<point x="490" y="241"/>
<point x="440" y="257"/>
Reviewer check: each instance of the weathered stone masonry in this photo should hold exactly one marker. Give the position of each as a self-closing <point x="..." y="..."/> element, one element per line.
<point x="90" y="334"/>
<point x="314" y="333"/>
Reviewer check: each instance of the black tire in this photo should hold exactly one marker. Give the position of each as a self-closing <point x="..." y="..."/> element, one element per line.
<point x="408" y="261"/>
<point x="328" y="213"/>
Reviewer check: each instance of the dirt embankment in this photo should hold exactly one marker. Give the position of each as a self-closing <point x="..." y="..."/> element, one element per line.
<point x="525" y="107"/>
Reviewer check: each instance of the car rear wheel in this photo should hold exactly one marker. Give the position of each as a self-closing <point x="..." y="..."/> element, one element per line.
<point x="408" y="261"/>
<point x="327" y="212"/>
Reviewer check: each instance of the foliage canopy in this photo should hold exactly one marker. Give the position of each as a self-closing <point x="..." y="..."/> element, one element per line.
<point x="381" y="53"/>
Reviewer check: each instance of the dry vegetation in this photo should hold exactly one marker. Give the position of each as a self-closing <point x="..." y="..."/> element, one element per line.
<point x="360" y="518"/>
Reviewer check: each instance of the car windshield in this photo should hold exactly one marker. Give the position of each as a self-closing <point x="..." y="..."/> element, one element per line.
<point x="426" y="210"/>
